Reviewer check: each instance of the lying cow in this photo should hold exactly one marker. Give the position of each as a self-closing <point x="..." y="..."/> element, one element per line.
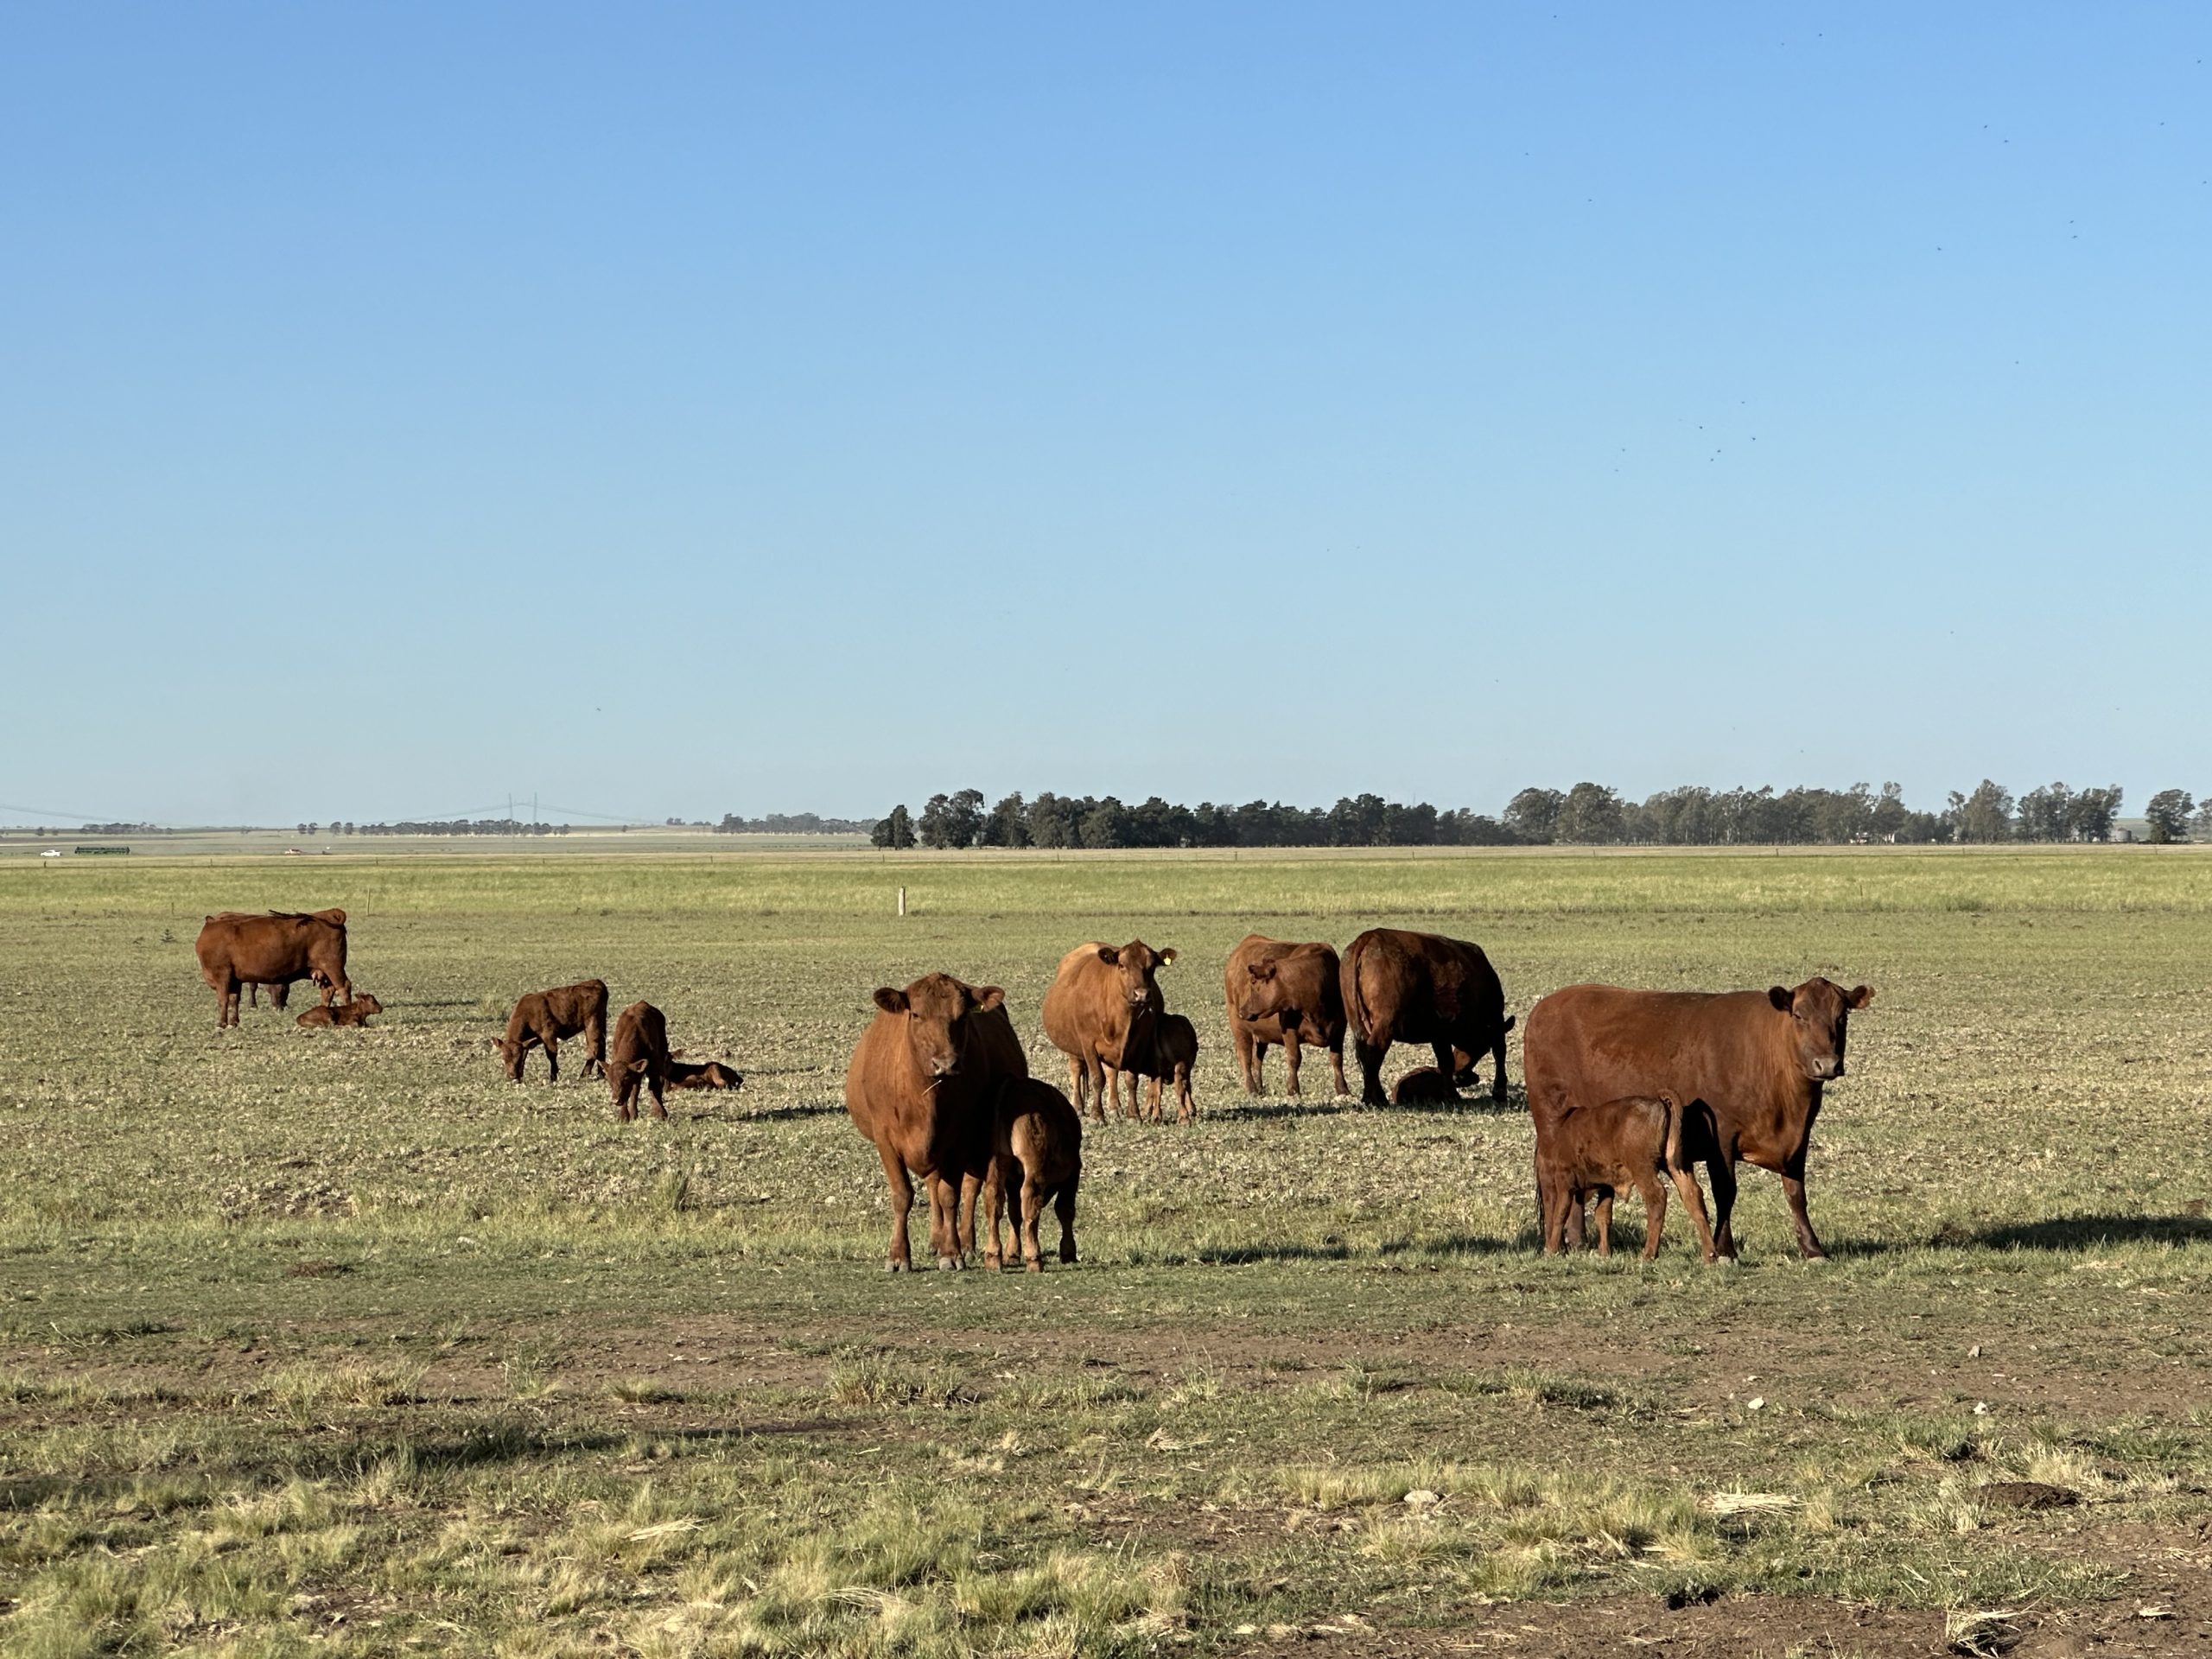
<point x="1749" y="1065"/>
<point x="353" y="1012"/>
<point x="1036" y="1158"/>
<point x="542" y="1018"/>
<point x="1102" y="999"/>
<point x="1287" y="993"/>
<point x="1427" y="1087"/>
<point x="640" y="1057"/>
<point x="1174" y="1055"/>
<point x="1422" y="987"/>
<point x="1597" y="1150"/>
<point x="702" y="1074"/>
<point x="236" y="948"/>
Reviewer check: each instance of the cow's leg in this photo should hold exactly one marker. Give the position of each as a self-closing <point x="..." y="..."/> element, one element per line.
<point x="1186" y="1104"/>
<point x="1064" y="1206"/>
<point x="1497" y="1059"/>
<point x="1152" y="1110"/>
<point x="970" y="1194"/>
<point x="1655" y="1212"/>
<point x="1551" y="1218"/>
<point x="1033" y="1207"/>
<point x="1722" y="1170"/>
<point x="1290" y="1059"/>
<point x="902" y="1200"/>
<point x="1370" y="1072"/>
<point x="1336" y="1066"/>
<point x="1251" y="1054"/>
<point x="995" y="1204"/>
<point x="1793" y="1188"/>
<point x="1693" y="1198"/>
<point x="595" y="1045"/>
<point x="552" y="1059"/>
<point x="1605" y="1220"/>
<point x="656" y="1084"/>
<point x="226" y="992"/>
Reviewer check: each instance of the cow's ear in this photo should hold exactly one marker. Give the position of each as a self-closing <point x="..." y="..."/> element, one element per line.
<point x="1785" y="999"/>
<point x="1860" y="997"/>
<point x="891" y="1002"/>
<point x="1261" y="970"/>
<point x="989" y="997"/>
<point x="1110" y="954"/>
<point x="1167" y="955"/>
<point x="642" y="1065"/>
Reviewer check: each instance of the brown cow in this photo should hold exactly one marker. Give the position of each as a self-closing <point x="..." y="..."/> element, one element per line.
<point x="922" y="1088"/>
<point x="542" y="1018"/>
<point x="1599" y="1149"/>
<point x="1286" y="994"/>
<point x="1175" y="1055"/>
<point x="353" y="1012"/>
<point x="640" y="1056"/>
<point x="703" y="1074"/>
<point x="1422" y="987"/>
<point x="1748" y="1066"/>
<point x="236" y="948"/>
<point x="1036" y="1156"/>
<point x="1100" y="1009"/>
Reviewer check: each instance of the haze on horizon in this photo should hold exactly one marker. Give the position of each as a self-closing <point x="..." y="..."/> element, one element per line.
<point x="714" y="409"/>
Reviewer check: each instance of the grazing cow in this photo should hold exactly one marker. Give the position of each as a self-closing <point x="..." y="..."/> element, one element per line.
<point x="923" y="1088"/>
<point x="639" y="1055"/>
<point x="1599" y="1149"/>
<point x="1175" y="1055"/>
<point x="1422" y="987"/>
<point x="1036" y="1158"/>
<point x="542" y="1018"/>
<point x="236" y="948"/>
<point x="1099" y="1013"/>
<point x="703" y="1074"/>
<point x="1748" y="1067"/>
<point x="1286" y="994"/>
<point x="1427" y="1087"/>
<point x="353" y="1012"/>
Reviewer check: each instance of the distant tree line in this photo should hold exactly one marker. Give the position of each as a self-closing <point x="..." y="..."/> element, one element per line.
<point x="791" y="823"/>
<point x="437" y="827"/>
<point x="1587" y="815"/>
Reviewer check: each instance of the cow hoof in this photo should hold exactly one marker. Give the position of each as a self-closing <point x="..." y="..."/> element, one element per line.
<point x="1820" y="1260"/>
<point x="995" y="1264"/>
<point x="1033" y="1265"/>
<point x="949" y="1264"/>
<point x="895" y="1265"/>
<point x="1722" y="1261"/>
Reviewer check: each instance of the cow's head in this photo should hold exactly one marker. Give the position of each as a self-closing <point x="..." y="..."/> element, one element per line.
<point x="719" y="1076"/>
<point x="510" y="1057"/>
<point x="935" y="1009"/>
<point x="1265" y="995"/>
<point x="1137" y="963"/>
<point x="1820" y="1011"/>
<point x="365" y="1001"/>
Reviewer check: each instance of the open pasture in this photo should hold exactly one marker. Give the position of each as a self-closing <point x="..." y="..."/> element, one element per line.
<point x="336" y="1341"/>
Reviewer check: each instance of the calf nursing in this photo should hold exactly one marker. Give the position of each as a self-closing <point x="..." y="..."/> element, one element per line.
<point x="1036" y="1158"/>
<point x="1597" y="1149"/>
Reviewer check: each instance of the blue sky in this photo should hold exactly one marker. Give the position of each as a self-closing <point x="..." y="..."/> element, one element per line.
<point x="683" y="410"/>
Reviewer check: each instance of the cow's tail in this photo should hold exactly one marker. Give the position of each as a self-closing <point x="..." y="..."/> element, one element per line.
<point x="1355" y="1009"/>
<point x="1508" y="1026"/>
<point x="1673" y="1108"/>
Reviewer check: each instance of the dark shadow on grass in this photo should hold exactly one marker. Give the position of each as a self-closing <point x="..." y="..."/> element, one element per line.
<point x="778" y="1114"/>
<point x="2088" y="1232"/>
<point x="1473" y="1105"/>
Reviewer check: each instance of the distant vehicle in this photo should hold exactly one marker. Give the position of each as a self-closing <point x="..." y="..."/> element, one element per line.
<point x="291" y="852"/>
<point x="51" y="851"/>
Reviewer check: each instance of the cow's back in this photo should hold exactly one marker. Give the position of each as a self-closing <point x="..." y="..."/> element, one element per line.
<point x="1080" y="1007"/>
<point x="1586" y="1043"/>
<point x="1308" y="973"/>
<point x="1420" y="988"/>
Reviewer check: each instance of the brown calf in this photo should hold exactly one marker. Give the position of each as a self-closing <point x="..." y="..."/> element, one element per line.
<point x="1036" y="1156"/>
<point x="542" y="1018"/>
<point x="1427" y="1087"/>
<point x="640" y="1056"/>
<point x="1174" y="1053"/>
<point x="355" y="1013"/>
<point x="703" y="1074"/>
<point x="1630" y="1141"/>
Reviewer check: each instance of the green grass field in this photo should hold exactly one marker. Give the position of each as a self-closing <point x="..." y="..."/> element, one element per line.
<point x="338" y="1342"/>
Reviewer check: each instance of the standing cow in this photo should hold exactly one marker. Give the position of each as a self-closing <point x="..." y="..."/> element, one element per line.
<point x="236" y="948"/>
<point x="639" y="1055"/>
<point x="1103" y="1005"/>
<point x="1748" y="1067"/>
<point x="1422" y="987"/>
<point x="1287" y="993"/>
<point x="542" y="1019"/>
<point x="923" y="1088"/>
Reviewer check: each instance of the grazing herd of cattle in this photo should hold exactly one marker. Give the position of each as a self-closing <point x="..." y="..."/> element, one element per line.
<point x="1625" y="1088"/>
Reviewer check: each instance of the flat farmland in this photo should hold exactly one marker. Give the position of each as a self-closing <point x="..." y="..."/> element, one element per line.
<point x="338" y="1342"/>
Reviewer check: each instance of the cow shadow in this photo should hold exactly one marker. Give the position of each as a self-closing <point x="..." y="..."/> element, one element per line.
<point x="779" y="1113"/>
<point x="1467" y="1105"/>
<point x="2093" y="1232"/>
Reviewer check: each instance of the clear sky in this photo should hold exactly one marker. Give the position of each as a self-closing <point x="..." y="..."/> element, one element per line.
<point x="679" y="409"/>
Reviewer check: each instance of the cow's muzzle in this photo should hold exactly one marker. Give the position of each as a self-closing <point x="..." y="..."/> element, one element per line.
<point x="1826" y="1071"/>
